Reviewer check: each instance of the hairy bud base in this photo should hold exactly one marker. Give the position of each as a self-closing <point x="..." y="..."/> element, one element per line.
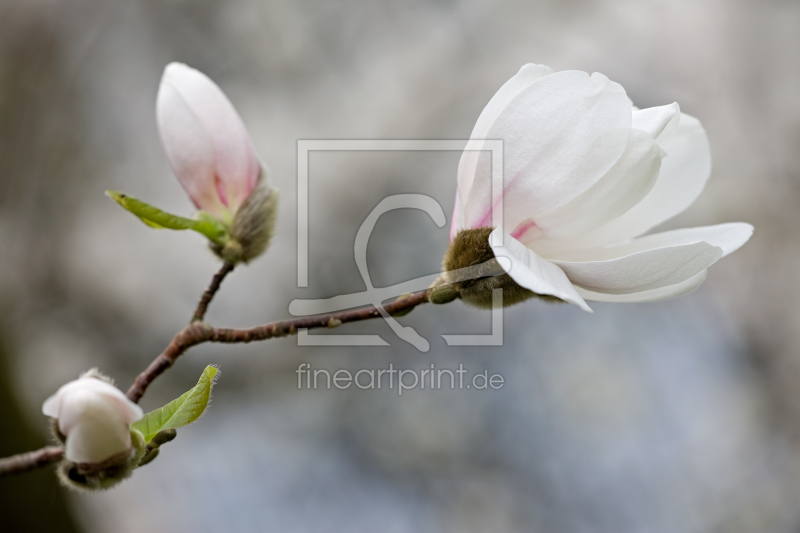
<point x="90" y="477"/>
<point x="470" y="250"/>
<point x="253" y="225"/>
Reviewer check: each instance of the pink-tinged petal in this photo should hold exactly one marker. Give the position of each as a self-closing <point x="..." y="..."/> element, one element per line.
<point x="560" y="135"/>
<point x="652" y="295"/>
<point x="628" y="181"/>
<point x="457" y="220"/>
<point x="236" y="161"/>
<point x="532" y="272"/>
<point x="189" y="149"/>
<point x="527" y="75"/>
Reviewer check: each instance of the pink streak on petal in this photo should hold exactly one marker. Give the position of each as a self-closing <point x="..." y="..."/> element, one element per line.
<point x="524" y="226"/>
<point x="193" y="199"/>
<point x="486" y="219"/>
<point x="453" y="230"/>
<point x="253" y="174"/>
<point x="221" y="191"/>
<point x="527" y="232"/>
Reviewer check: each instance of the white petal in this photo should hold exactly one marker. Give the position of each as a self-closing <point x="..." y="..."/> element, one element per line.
<point x="729" y="237"/>
<point x="628" y="181"/>
<point x="652" y="295"/>
<point x="189" y="149"/>
<point x="128" y="409"/>
<point x="561" y="135"/>
<point x="532" y="272"/>
<point x="639" y="271"/>
<point x="684" y="172"/>
<point x="657" y="120"/>
<point x="236" y="161"/>
<point x="469" y="159"/>
<point x="52" y="405"/>
<point x="93" y="427"/>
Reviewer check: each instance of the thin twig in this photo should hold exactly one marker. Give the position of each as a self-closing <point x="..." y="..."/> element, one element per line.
<point x="200" y="332"/>
<point x="212" y="289"/>
<point x="25" y="462"/>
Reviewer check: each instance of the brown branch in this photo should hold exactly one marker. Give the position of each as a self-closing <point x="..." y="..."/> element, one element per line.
<point x="25" y="462"/>
<point x="212" y="289"/>
<point x="193" y="334"/>
<point x="200" y="332"/>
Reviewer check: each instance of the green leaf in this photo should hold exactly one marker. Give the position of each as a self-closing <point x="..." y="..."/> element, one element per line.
<point x="154" y="217"/>
<point x="180" y="412"/>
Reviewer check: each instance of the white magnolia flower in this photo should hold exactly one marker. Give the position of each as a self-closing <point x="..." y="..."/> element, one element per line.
<point x="585" y="175"/>
<point x="213" y="157"/>
<point x="95" y="418"/>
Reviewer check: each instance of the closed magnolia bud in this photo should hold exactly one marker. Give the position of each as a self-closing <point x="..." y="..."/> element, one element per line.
<point x="154" y="446"/>
<point x="93" y="419"/>
<point x="213" y="157"/>
<point x="442" y="293"/>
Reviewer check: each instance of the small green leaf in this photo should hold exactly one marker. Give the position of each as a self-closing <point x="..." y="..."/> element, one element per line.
<point x="180" y="412"/>
<point x="156" y="218"/>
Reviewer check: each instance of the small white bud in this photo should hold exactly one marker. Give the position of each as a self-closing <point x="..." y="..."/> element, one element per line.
<point x="94" y="416"/>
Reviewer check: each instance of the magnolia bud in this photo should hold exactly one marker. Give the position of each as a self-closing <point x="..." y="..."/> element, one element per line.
<point x="213" y="157"/>
<point x="442" y="293"/>
<point x="93" y="419"/>
<point x="153" y="447"/>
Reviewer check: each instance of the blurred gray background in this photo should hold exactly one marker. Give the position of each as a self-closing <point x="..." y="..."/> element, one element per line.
<point x="670" y="417"/>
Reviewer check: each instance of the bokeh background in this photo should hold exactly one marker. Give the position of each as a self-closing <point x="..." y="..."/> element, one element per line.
<point x="672" y="417"/>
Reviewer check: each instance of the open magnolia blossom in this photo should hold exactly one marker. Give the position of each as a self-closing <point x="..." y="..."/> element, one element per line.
<point x="95" y="418"/>
<point x="213" y="157"/>
<point x="585" y="175"/>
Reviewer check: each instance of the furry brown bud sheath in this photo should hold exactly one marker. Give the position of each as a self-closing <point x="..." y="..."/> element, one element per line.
<point x="470" y="252"/>
<point x="253" y="225"/>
